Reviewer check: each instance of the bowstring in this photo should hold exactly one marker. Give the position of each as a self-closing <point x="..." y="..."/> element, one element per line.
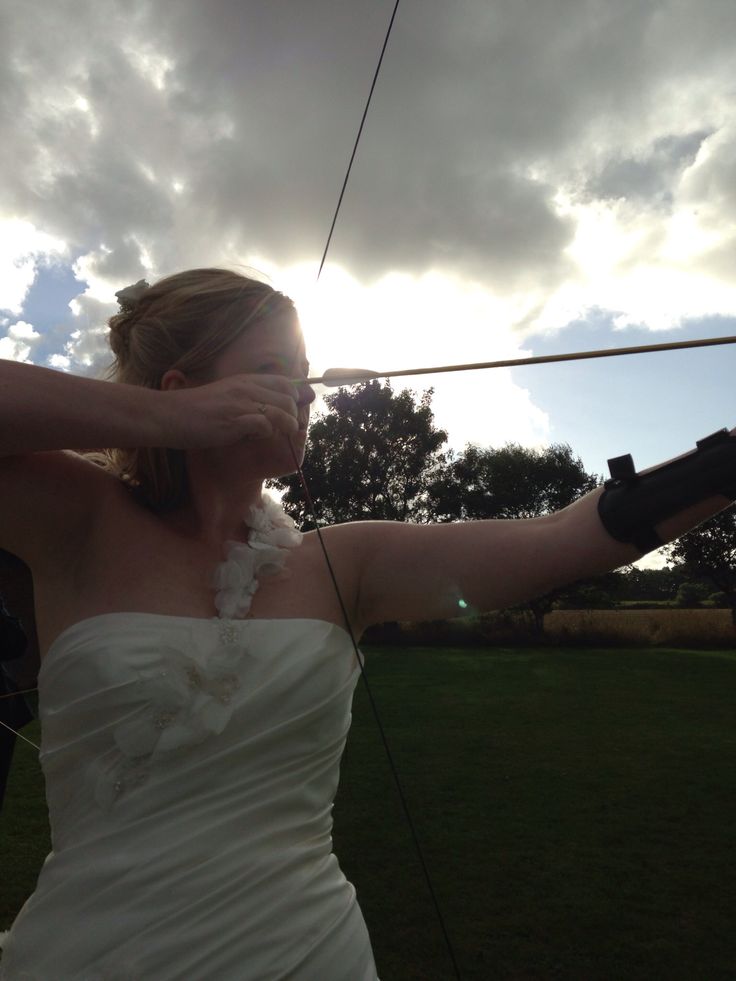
<point x="16" y="732"/>
<point x="12" y="694"/>
<point x="313" y="515"/>
<point x="310" y="505"/>
<point x="357" y="139"/>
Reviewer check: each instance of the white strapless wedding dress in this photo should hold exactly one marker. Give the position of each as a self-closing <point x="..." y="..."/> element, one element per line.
<point x="191" y="766"/>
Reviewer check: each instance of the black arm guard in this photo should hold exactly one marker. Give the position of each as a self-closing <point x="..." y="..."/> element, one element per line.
<point x="632" y="504"/>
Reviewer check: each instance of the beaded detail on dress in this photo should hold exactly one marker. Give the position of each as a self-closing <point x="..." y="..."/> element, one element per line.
<point x="271" y="533"/>
<point x="186" y="699"/>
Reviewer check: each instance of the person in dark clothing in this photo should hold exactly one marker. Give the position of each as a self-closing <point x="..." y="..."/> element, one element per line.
<point x="15" y="711"/>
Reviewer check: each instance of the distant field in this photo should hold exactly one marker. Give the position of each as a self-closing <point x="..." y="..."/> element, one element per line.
<point x="576" y="809"/>
<point x="642" y="627"/>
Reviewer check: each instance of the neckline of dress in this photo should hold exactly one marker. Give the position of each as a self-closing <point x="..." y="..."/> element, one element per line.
<point x="81" y="624"/>
<point x="271" y="535"/>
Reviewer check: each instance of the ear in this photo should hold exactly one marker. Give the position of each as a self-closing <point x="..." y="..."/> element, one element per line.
<point x="173" y="379"/>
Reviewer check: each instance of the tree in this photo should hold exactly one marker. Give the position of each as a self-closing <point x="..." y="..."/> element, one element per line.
<point x="691" y="594"/>
<point x="369" y="457"/>
<point x="650" y="584"/>
<point x="511" y="482"/>
<point x="376" y="455"/>
<point x="601" y="593"/>
<point x="709" y="552"/>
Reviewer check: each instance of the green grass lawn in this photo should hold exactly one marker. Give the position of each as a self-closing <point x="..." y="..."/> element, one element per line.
<point x="576" y="809"/>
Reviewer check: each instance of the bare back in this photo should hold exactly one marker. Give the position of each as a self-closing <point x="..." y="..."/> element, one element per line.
<point x="131" y="561"/>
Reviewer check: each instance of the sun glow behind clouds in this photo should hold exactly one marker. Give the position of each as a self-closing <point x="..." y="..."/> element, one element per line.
<point x="402" y="321"/>
<point x="651" y="269"/>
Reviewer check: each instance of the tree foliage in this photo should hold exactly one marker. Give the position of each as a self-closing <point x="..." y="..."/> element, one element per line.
<point x="376" y="455"/>
<point x="709" y="552"/>
<point x="369" y="457"/>
<point x="511" y="482"/>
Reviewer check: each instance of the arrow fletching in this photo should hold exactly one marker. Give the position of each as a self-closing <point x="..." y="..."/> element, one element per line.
<point x="334" y="377"/>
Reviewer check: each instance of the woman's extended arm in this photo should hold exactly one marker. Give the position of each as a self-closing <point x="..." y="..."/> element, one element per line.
<point x="426" y="572"/>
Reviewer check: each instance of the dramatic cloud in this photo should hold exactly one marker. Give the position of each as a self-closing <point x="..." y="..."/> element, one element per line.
<point x="648" y="179"/>
<point x="525" y="168"/>
<point x="560" y="156"/>
<point x="18" y="341"/>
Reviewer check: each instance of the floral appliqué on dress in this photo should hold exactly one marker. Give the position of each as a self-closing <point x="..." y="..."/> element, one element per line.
<point x="236" y="579"/>
<point x="190" y="699"/>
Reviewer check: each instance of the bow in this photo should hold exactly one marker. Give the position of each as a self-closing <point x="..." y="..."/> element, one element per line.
<point x="310" y="505"/>
<point x="334" y="377"/>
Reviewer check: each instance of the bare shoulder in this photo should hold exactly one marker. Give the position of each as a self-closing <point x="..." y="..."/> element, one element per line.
<point x="48" y="501"/>
<point x="344" y="546"/>
<point x="344" y="543"/>
<point x="355" y="541"/>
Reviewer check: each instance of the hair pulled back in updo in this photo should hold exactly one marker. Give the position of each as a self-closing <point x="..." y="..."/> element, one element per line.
<point x="183" y="321"/>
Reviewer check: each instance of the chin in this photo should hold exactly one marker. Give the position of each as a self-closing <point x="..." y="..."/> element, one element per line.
<point x="281" y="458"/>
<point x="272" y="458"/>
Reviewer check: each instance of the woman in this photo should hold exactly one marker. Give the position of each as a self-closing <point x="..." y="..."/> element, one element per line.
<point x="197" y="674"/>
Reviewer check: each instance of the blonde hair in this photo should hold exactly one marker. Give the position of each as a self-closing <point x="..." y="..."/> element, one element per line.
<point x="183" y="321"/>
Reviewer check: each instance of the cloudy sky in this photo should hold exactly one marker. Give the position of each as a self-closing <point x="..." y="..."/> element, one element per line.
<point x="533" y="177"/>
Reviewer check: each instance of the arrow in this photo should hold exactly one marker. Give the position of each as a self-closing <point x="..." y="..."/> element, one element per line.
<point x="334" y="377"/>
